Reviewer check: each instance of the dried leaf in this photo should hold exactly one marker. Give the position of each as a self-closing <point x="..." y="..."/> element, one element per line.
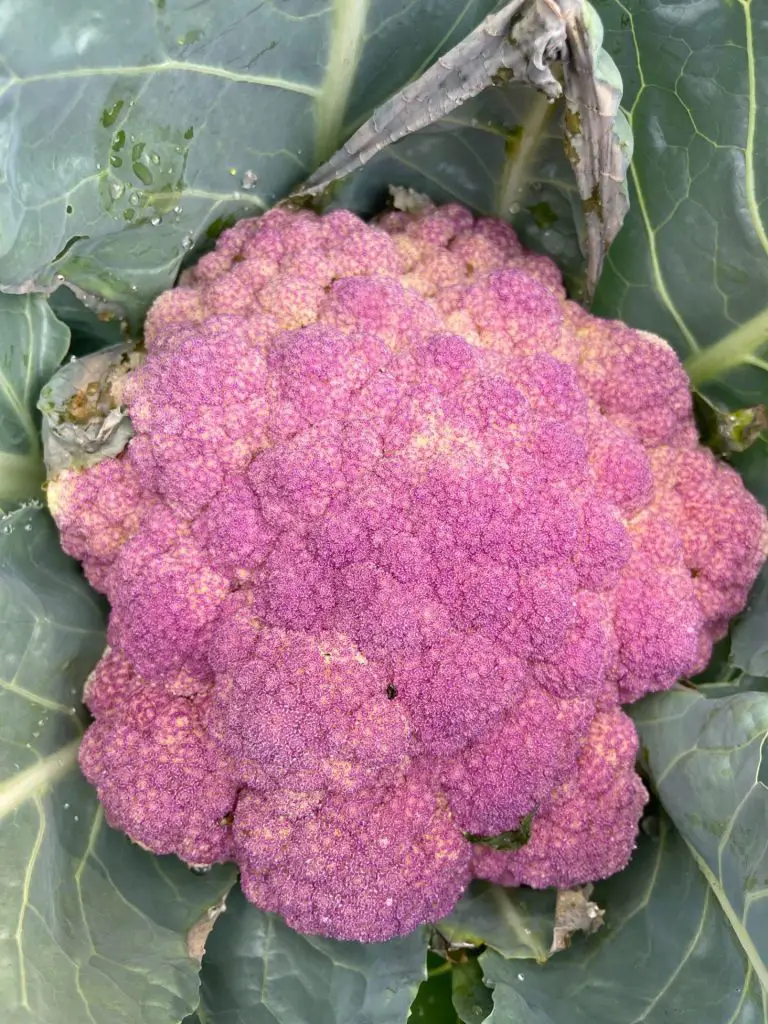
<point x="598" y="136"/>
<point x="83" y="419"/>
<point x="197" y="936"/>
<point x="518" y="42"/>
<point x="574" y="912"/>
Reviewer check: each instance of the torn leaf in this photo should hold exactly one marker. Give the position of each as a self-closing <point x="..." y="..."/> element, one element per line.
<point x="84" y="420"/>
<point x="574" y="912"/>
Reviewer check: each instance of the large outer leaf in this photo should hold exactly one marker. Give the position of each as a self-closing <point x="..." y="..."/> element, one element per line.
<point x="666" y="953"/>
<point x="32" y="344"/>
<point x="136" y="126"/>
<point x="257" y="970"/>
<point x="691" y="263"/>
<point x="92" y="929"/>
<point x="518" y="923"/>
<point x="707" y="761"/>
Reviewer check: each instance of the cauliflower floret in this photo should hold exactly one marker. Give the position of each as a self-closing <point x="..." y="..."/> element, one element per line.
<point x="399" y="529"/>
<point x="588" y="826"/>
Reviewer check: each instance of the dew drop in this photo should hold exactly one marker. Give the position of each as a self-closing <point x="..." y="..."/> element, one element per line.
<point x="521" y="977"/>
<point x="187" y="243"/>
<point x="155" y="158"/>
<point x="116" y="189"/>
<point x="249" y="180"/>
<point x="155" y="221"/>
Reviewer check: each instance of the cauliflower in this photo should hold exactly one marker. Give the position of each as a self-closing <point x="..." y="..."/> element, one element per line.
<point x="399" y="530"/>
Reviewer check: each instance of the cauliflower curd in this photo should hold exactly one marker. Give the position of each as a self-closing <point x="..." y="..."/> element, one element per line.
<point x="399" y="531"/>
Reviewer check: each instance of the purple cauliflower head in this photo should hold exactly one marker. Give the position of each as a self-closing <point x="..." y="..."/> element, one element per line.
<point x="399" y="530"/>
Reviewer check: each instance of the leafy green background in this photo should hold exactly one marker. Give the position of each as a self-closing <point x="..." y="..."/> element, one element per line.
<point x="692" y="261"/>
<point x="91" y="928"/>
<point x="260" y="970"/>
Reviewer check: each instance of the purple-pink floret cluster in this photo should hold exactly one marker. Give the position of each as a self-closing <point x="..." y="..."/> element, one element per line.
<point x="400" y="529"/>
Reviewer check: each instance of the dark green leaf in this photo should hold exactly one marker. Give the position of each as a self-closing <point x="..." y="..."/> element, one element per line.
<point x="433" y="1004"/>
<point x="92" y="929"/>
<point x="511" y="840"/>
<point x="667" y="953"/>
<point x="740" y="683"/>
<point x="753" y="467"/>
<point x="90" y="329"/>
<point x="691" y="263"/>
<point x="516" y="922"/>
<point x="706" y="761"/>
<point x="471" y="997"/>
<point x="139" y="127"/>
<point x="257" y="970"/>
<point x="32" y="344"/>
<point x="749" y="636"/>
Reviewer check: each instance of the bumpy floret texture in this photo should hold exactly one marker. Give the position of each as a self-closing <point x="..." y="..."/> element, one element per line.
<point x="400" y="530"/>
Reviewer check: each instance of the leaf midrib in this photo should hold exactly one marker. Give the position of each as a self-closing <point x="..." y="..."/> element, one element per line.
<point x="745" y="940"/>
<point x="37" y="778"/>
<point x="270" y="81"/>
<point x="729" y="352"/>
<point x="347" y="39"/>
